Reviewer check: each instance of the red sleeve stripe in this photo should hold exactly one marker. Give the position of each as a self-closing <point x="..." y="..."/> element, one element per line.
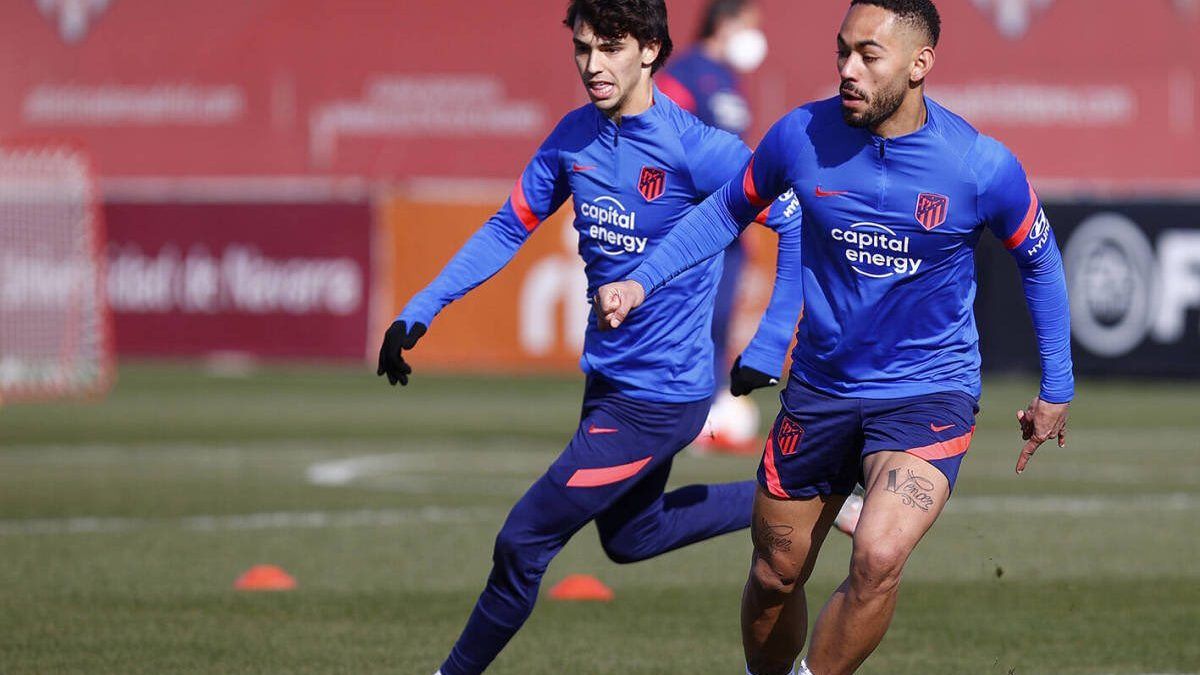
<point x="762" y="216"/>
<point x="521" y="207"/>
<point x="1023" y="231"/>
<point x="749" y="189"/>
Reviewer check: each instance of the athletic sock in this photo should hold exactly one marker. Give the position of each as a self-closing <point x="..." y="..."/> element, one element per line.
<point x="801" y="669"/>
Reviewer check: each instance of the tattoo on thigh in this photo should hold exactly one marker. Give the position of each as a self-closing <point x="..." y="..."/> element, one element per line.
<point x="772" y="538"/>
<point x="915" y="491"/>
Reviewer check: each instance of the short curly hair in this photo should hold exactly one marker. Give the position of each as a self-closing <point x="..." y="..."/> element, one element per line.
<point x="645" y="20"/>
<point x="921" y="14"/>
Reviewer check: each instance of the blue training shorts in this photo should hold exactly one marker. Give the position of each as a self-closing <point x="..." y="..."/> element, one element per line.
<point x="818" y="442"/>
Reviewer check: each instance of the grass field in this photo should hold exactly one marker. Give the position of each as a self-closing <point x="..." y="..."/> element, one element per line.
<point x="124" y="524"/>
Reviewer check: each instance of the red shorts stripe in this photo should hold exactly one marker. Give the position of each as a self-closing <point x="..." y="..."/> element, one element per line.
<point x="749" y="189"/>
<point x="521" y="207"/>
<point x="773" y="484"/>
<point x="1023" y="231"/>
<point x="944" y="449"/>
<point x="606" y="475"/>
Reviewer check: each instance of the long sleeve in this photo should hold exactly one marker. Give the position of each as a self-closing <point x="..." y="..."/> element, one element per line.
<point x="1014" y="213"/>
<point x="1045" y="288"/>
<point x="768" y="349"/>
<point x="540" y="190"/>
<point x="484" y="254"/>
<point x="719" y="219"/>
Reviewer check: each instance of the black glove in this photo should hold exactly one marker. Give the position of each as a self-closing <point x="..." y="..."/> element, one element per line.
<point x="391" y="362"/>
<point x="744" y="379"/>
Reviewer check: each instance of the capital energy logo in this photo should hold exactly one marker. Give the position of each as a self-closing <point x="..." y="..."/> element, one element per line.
<point x="876" y="251"/>
<point x="74" y="17"/>
<point x="606" y="220"/>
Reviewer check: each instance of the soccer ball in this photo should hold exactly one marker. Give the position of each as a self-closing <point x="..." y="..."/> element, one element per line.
<point x="732" y="425"/>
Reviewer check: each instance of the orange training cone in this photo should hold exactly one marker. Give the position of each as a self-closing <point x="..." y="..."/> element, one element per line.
<point x="265" y="578"/>
<point x="581" y="587"/>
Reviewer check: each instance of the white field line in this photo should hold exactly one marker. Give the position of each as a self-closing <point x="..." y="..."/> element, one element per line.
<point x="245" y="522"/>
<point x="346" y="471"/>
<point x="1079" y="505"/>
<point x="279" y="520"/>
<point x="382" y="471"/>
<point x="376" y="469"/>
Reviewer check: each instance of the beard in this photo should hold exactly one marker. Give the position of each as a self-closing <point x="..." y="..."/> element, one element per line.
<point x="879" y="108"/>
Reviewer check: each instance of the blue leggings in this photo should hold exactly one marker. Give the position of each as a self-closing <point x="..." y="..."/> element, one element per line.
<point x="614" y="471"/>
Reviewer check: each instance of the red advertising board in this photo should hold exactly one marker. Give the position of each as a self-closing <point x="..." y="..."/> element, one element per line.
<point x="1103" y="91"/>
<point x="266" y="280"/>
<point x="535" y="311"/>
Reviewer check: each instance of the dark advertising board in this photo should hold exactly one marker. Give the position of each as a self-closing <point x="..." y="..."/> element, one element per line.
<point x="1133" y="275"/>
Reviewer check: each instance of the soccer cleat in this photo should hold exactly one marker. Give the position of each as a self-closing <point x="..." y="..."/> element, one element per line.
<point x="847" y="518"/>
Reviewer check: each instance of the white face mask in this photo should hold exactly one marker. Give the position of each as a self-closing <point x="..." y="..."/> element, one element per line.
<point x="746" y="49"/>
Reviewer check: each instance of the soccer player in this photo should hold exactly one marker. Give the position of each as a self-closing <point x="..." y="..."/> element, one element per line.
<point x="634" y="164"/>
<point x="895" y="192"/>
<point x="706" y="81"/>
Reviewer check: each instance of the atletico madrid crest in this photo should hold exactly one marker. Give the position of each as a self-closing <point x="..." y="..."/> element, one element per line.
<point x="652" y="183"/>
<point x="932" y="209"/>
<point x="788" y="436"/>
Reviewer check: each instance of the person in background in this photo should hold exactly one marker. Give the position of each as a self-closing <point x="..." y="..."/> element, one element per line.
<point x="706" y="80"/>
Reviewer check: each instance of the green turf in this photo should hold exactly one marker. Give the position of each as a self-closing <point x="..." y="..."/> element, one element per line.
<point x="123" y="525"/>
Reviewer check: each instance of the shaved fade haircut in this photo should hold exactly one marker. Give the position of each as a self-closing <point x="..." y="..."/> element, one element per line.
<point x="921" y="14"/>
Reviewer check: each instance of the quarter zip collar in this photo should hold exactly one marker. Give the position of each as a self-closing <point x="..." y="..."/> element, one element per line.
<point x="925" y="130"/>
<point x="637" y="125"/>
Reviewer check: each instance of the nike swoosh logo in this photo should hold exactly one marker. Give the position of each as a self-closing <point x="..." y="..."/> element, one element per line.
<point x="593" y="429"/>
<point x="583" y="167"/>
<point x="939" y="429"/>
<point x="829" y="193"/>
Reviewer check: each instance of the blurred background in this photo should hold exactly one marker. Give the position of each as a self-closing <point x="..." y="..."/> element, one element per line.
<point x="210" y="211"/>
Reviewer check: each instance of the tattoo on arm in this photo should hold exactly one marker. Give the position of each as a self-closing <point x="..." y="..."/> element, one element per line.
<point x="915" y="491"/>
<point x="771" y="538"/>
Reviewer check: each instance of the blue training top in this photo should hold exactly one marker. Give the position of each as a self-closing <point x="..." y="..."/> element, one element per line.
<point x="631" y="183"/>
<point x="888" y="250"/>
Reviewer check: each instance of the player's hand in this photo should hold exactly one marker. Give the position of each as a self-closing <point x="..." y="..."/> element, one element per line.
<point x="744" y="379"/>
<point x="614" y="302"/>
<point x="399" y="337"/>
<point x="1040" y="422"/>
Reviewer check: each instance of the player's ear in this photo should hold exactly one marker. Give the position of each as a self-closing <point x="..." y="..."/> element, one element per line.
<point x="922" y="64"/>
<point x="650" y="52"/>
